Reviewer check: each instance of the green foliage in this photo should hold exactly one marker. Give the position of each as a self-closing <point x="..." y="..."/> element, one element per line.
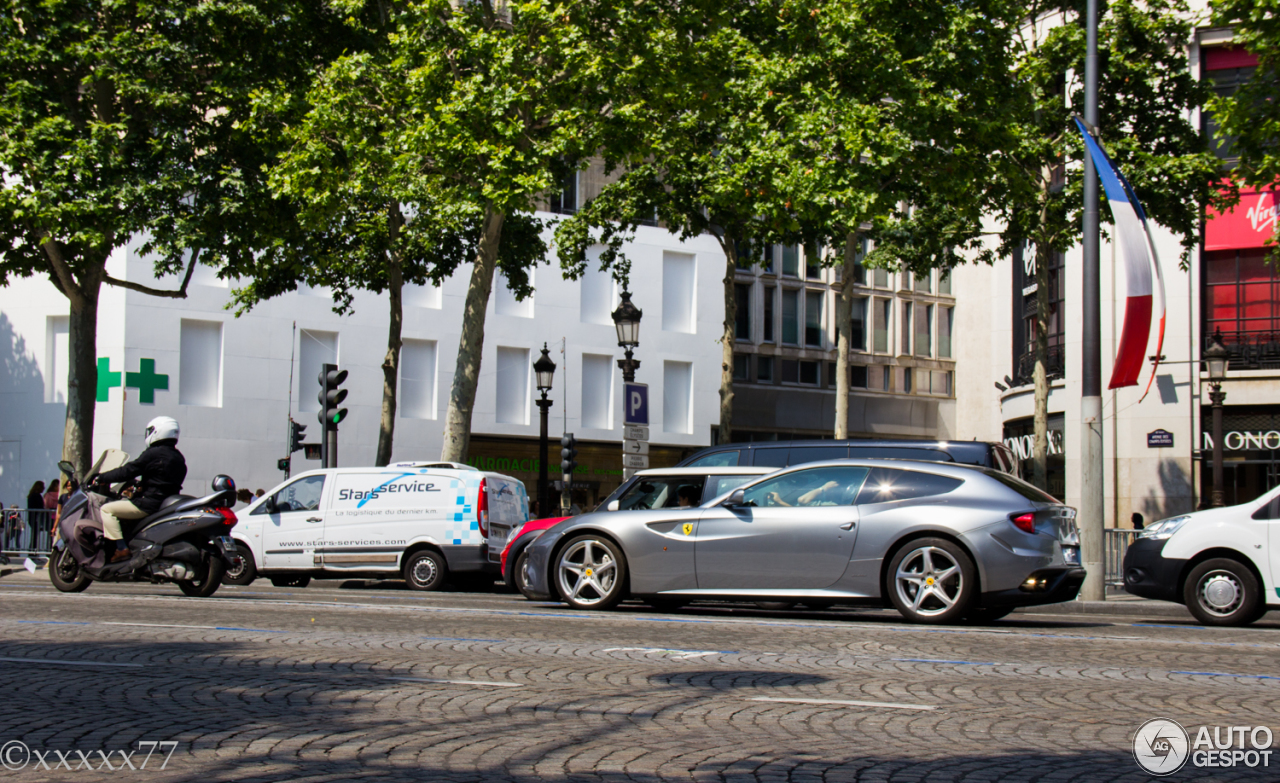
<point x="1145" y="94"/>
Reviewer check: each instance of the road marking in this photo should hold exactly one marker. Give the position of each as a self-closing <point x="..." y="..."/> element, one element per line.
<point x="1225" y="674"/>
<point x="69" y="663"/>
<point x="677" y="653"/>
<point x="458" y="682"/>
<point x="957" y="663"/>
<point x="885" y="704"/>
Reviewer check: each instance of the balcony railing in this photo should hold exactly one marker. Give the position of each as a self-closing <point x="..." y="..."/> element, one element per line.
<point x="1026" y="369"/>
<point x="1251" y="350"/>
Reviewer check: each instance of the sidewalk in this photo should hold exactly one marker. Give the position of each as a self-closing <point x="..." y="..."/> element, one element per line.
<point x="1120" y="605"/>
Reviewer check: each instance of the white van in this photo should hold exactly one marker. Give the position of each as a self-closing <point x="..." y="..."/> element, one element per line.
<point x="420" y="520"/>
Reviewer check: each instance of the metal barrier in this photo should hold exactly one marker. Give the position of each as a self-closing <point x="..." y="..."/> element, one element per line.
<point x="1117" y="544"/>
<point x="26" y="532"/>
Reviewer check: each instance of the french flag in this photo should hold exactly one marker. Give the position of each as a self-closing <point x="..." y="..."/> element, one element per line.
<point x="1144" y="284"/>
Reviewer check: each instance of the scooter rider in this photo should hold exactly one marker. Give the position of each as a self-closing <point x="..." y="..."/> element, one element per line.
<point x="162" y="470"/>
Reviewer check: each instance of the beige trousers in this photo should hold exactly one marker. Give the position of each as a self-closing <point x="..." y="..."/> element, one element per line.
<point x="115" y="511"/>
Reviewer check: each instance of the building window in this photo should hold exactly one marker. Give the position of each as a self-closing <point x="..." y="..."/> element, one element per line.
<point x="1241" y="295"/>
<point x="512" y="386"/>
<point x="859" y="255"/>
<point x="742" y="322"/>
<point x="885" y="376"/>
<point x="924" y="284"/>
<point x="880" y="336"/>
<point x="944" y="283"/>
<point x="677" y="394"/>
<point x="945" y="323"/>
<point x="812" y="265"/>
<point x="809" y="373"/>
<point x="769" y="294"/>
<point x="831" y="375"/>
<point x="678" y="289"/>
<point x="790" y="371"/>
<point x="813" y="318"/>
<point x="428" y="295"/>
<point x="741" y="367"/>
<point x="565" y="201"/>
<point x="1227" y="69"/>
<point x="791" y="260"/>
<point x="924" y="330"/>
<point x="1025" y="308"/>
<point x="880" y="277"/>
<point x="598" y="295"/>
<point x="791" y="316"/>
<point x="417" y="396"/>
<point x="597" y="391"/>
<point x="200" y="364"/>
<point x="767" y="262"/>
<point x="906" y="380"/>
<point x="858" y="376"/>
<point x="858" y="334"/>
<point x="504" y="299"/>
<point x="57" y="356"/>
<point x="764" y="369"/>
<point x="314" y="349"/>
<point x="907" y="318"/>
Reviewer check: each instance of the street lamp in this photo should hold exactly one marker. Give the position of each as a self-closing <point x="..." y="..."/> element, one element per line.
<point x="626" y="319"/>
<point x="545" y="370"/>
<point x="1217" y="356"/>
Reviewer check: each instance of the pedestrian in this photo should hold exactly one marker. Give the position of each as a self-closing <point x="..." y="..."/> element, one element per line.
<point x="35" y="509"/>
<point x="259" y="493"/>
<point x="35" y="498"/>
<point x="244" y="496"/>
<point x="1137" y="521"/>
<point x="51" y="496"/>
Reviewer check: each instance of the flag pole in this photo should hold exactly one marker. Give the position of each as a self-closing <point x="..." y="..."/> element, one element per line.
<point x="1092" y="481"/>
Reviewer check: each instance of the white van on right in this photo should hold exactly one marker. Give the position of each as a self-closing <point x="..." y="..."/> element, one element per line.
<point x="1222" y="563"/>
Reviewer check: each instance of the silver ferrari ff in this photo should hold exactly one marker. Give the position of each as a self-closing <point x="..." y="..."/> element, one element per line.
<point x="936" y="541"/>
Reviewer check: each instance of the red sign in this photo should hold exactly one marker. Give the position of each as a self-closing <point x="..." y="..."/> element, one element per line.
<point x="1250" y="224"/>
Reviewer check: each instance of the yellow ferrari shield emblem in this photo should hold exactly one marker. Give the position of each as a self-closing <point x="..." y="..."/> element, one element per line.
<point x="688" y="528"/>
<point x="929" y="581"/>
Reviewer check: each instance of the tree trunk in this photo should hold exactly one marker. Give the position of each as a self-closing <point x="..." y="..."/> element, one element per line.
<point x="844" y="334"/>
<point x="1040" y="440"/>
<point x="391" y="364"/>
<point x="727" y="337"/>
<point x="82" y="377"/>
<point x="466" y="374"/>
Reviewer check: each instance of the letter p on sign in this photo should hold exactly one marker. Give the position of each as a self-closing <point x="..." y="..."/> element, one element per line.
<point x="635" y="403"/>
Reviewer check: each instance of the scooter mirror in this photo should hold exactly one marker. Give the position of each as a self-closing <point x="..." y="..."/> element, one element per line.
<point x="67" y="468"/>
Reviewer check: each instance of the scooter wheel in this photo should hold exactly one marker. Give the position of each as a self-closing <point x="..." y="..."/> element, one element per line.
<point x="66" y="574"/>
<point x="209" y="583"/>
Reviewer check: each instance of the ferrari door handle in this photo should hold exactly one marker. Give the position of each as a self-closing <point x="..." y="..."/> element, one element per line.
<point x="321" y="519"/>
<point x="848" y="525"/>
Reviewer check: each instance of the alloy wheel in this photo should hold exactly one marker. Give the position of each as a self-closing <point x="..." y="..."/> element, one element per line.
<point x="587" y="572"/>
<point x="929" y="580"/>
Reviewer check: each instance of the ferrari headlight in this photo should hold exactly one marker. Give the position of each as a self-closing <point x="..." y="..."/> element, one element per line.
<point x="1165" y="528"/>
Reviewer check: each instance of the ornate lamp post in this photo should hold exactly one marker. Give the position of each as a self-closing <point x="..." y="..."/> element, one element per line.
<point x="1217" y="356"/>
<point x="626" y="319"/>
<point x="545" y="370"/>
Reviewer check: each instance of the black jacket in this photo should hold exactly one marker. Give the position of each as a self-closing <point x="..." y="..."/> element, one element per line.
<point x="162" y="469"/>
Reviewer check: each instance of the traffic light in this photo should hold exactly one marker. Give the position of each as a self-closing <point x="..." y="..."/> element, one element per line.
<point x="568" y="453"/>
<point x="296" y="433"/>
<point x="283" y="464"/>
<point x="331" y="396"/>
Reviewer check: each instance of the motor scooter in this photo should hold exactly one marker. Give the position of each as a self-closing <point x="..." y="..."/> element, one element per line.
<point x="187" y="541"/>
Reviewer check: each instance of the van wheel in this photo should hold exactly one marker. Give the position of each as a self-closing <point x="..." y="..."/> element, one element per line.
<point x="65" y="572"/>
<point x="207" y="584"/>
<point x="242" y="570"/>
<point x="425" y="570"/>
<point x="591" y="573"/>
<point x="1222" y="592"/>
<point x="931" y="580"/>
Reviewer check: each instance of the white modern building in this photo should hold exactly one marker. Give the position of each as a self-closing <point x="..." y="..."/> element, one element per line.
<point x="233" y="382"/>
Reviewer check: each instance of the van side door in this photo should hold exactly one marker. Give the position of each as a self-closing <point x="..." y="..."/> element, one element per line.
<point x="293" y="524"/>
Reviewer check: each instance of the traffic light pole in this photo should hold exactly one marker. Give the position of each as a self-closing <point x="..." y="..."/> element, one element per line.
<point x="330" y="398"/>
<point x="331" y="446"/>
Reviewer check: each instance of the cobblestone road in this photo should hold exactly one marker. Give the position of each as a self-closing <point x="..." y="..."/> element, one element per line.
<point x="321" y="684"/>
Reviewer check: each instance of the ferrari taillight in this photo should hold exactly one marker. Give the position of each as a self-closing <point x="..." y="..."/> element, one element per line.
<point x="1024" y="522"/>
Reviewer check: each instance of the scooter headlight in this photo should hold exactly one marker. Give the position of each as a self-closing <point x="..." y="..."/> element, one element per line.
<point x="1165" y="528"/>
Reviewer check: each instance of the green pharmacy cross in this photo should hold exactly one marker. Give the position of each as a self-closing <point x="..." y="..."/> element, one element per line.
<point x="146" y="381"/>
<point x="108" y="380"/>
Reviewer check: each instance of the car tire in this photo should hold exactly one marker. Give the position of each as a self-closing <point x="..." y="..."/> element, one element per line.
<point x="290" y="581"/>
<point x="931" y="581"/>
<point x="209" y="582"/>
<point x="66" y="574"/>
<point x="521" y="576"/>
<point x="1222" y="591"/>
<point x="425" y="570"/>
<point x="591" y="572"/>
<point x="664" y="604"/>
<point x="983" y="615"/>
<point x="243" y="570"/>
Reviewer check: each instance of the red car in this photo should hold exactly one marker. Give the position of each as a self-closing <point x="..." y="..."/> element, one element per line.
<point x="513" y="552"/>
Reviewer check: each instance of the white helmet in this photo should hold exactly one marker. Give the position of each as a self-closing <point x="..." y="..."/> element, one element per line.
<point x="161" y="428"/>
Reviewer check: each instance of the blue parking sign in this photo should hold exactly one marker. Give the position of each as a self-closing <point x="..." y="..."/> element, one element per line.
<point x="635" y="403"/>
